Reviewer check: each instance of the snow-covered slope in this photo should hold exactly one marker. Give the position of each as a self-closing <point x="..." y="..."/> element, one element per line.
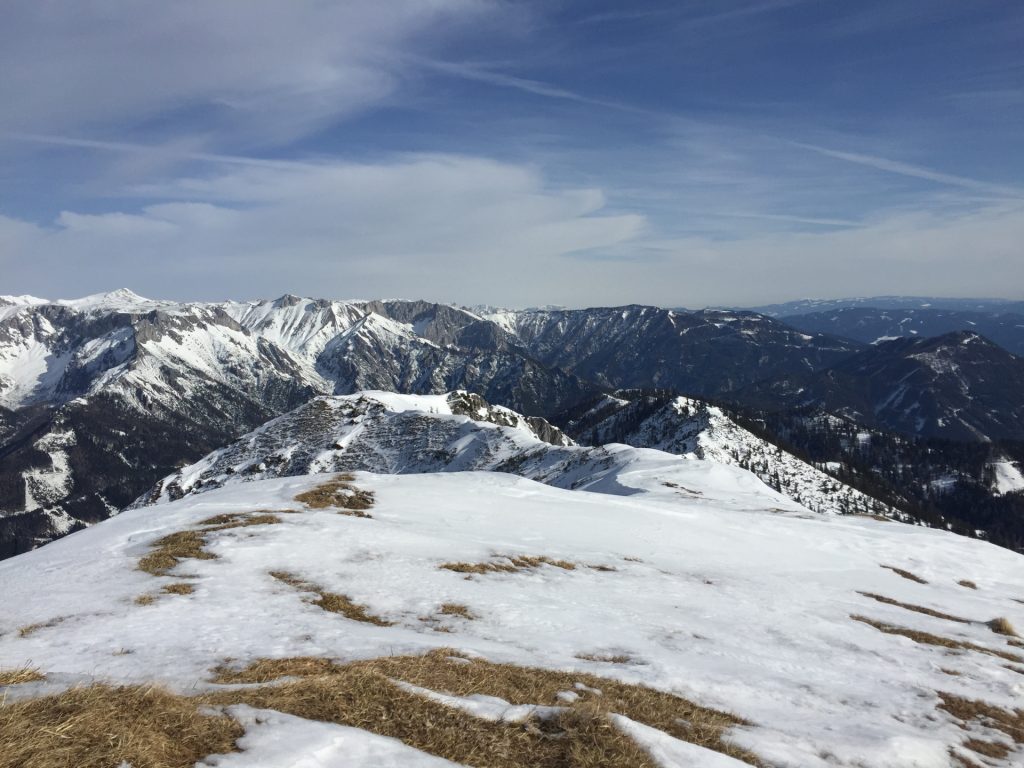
<point x="458" y="432"/>
<point x="743" y="611"/>
<point x="694" y="429"/>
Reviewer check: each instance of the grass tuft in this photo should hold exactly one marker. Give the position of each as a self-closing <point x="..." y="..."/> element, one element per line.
<point x="332" y="601"/>
<point x="926" y="638"/>
<point x="456" y="609"/>
<point x="967" y="583"/>
<point x="172" y="549"/>
<point x="905" y="574"/>
<point x="915" y="608"/>
<point x="20" y="675"/>
<point x="510" y="564"/>
<point x="238" y="520"/>
<point x="179" y="588"/>
<point x="607" y="658"/>
<point x="31" y="629"/>
<point x="1002" y="626"/>
<point x="341" y="493"/>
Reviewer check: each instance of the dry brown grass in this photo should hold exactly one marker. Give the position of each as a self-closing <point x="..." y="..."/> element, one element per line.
<point x="915" y="608"/>
<point x="341" y="493"/>
<point x="332" y="601"/>
<point x="456" y="609"/>
<point x="238" y="520"/>
<point x="20" y="675"/>
<point x="362" y="694"/>
<point x="606" y="658"/>
<point x="102" y="727"/>
<point x="926" y="638"/>
<point x="993" y="749"/>
<point x="1002" y="626"/>
<point x="31" y="629"/>
<point x="967" y="583"/>
<point x="184" y="545"/>
<point x="510" y="564"/>
<point x="145" y="599"/>
<point x="905" y="574"/>
<point x="179" y="588"/>
<point x="172" y="549"/>
<point x="969" y="710"/>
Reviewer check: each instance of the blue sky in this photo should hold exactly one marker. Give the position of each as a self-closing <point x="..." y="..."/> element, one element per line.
<point x="514" y="153"/>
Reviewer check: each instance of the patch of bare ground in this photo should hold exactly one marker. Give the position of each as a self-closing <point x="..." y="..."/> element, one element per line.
<point x="905" y="574"/>
<point x="967" y="583"/>
<point x="915" y="608"/>
<point x="967" y="711"/>
<point x="363" y="694"/>
<point x="185" y="545"/>
<point x="926" y="638"/>
<point x="341" y="493"/>
<point x="20" y="675"/>
<point x="100" y="726"/>
<point x="509" y="564"/>
<point x="332" y="601"/>
<point x="31" y="629"/>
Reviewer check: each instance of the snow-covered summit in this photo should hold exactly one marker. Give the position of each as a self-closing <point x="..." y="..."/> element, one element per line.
<point x="798" y="626"/>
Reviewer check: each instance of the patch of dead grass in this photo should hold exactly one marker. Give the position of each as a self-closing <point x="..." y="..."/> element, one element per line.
<point x="332" y="601"/>
<point x="145" y="599"/>
<point x="915" y="608"/>
<point x="20" y="675"/>
<point x="905" y="574"/>
<point x="31" y="629"/>
<point x="456" y="609"/>
<point x="967" y="583"/>
<point x="926" y="638"/>
<point x="101" y="726"/>
<point x="363" y="694"/>
<point x="606" y="658"/>
<point x="190" y="544"/>
<point x="1010" y="722"/>
<point x="339" y="492"/>
<point x="238" y="520"/>
<point x="1002" y="626"/>
<point x="509" y="564"/>
<point x="179" y="588"/>
<point x="172" y="549"/>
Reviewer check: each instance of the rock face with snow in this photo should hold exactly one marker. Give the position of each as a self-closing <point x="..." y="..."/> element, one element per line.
<point x="959" y="386"/>
<point x="695" y="429"/>
<point x="707" y="353"/>
<point x="414" y="434"/>
<point x="797" y="624"/>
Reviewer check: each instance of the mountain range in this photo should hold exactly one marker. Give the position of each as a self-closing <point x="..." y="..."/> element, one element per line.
<point x="101" y="397"/>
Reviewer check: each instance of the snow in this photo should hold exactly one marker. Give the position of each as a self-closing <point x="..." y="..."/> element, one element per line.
<point x="1008" y="477"/>
<point x="670" y="752"/>
<point x="727" y="604"/>
<point x="271" y="740"/>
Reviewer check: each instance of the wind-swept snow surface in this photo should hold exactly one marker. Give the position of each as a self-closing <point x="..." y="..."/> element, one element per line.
<point x="730" y="606"/>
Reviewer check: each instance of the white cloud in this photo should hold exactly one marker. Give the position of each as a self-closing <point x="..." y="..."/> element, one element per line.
<point x="439" y="225"/>
<point x="262" y="68"/>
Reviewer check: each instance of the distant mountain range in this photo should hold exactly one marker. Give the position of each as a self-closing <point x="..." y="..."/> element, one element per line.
<point x="871" y="326"/>
<point x="101" y="397"/>
<point x="808" y="306"/>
